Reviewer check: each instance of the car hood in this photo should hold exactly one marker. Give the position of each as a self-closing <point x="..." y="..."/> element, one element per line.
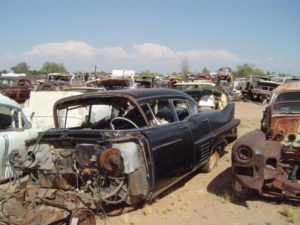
<point x="286" y="123"/>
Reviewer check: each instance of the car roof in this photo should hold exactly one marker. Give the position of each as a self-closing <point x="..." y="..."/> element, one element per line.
<point x="8" y="101"/>
<point x="293" y="86"/>
<point x="61" y="74"/>
<point x="207" y="83"/>
<point x="17" y="78"/>
<point x="138" y="94"/>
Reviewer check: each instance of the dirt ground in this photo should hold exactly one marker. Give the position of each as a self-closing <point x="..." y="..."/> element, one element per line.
<point x="206" y="199"/>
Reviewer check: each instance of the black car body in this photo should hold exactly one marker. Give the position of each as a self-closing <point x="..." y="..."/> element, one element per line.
<point x="126" y="145"/>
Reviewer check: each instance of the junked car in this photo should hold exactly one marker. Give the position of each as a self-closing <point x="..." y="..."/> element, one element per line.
<point x="252" y="82"/>
<point x="267" y="161"/>
<point x="56" y="81"/>
<point x="112" y="83"/>
<point x="205" y="93"/>
<point x="224" y="73"/>
<point x="17" y="88"/>
<point x="14" y="130"/>
<point x="263" y="90"/>
<point x="281" y="116"/>
<point x="128" y="145"/>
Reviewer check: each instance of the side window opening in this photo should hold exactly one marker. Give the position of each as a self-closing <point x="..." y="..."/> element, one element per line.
<point x="182" y="109"/>
<point x="163" y="111"/>
<point x="5" y="121"/>
<point x="11" y="118"/>
<point x="158" y="111"/>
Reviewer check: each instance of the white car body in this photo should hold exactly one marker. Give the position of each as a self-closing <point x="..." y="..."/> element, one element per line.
<point x="38" y="112"/>
<point x="207" y="102"/>
<point x="14" y="130"/>
<point x="240" y="83"/>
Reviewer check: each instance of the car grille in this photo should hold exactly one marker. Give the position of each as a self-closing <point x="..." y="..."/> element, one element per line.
<point x="205" y="151"/>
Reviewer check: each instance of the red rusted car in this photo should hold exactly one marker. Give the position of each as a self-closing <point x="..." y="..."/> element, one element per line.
<point x="17" y="88"/>
<point x="268" y="160"/>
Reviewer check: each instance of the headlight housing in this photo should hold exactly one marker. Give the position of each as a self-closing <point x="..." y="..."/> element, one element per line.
<point x="243" y="154"/>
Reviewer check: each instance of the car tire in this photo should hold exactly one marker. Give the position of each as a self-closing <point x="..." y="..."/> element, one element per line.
<point x="212" y="161"/>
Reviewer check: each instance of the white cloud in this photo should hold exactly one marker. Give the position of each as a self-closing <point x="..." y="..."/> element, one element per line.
<point x="153" y="51"/>
<point x="83" y="56"/>
<point x="218" y="54"/>
<point x="113" y="53"/>
<point x="71" y="49"/>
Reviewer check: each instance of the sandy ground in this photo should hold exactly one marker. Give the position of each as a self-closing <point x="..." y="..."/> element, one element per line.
<point x="206" y="198"/>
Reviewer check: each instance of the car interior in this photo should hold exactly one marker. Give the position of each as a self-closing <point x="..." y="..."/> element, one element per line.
<point x="5" y="121"/>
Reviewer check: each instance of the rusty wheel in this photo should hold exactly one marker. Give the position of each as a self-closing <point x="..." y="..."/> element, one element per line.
<point x="110" y="159"/>
<point x="212" y="162"/>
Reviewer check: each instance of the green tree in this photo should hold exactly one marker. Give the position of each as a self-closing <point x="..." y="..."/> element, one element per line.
<point x="33" y="72"/>
<point x="52" y="67"/>
<point x="3" y="71"/>
<point x="205" y="70"/>
<point x="147" y="74"/>
<point x="246" y="70"/>
<point x="20" y="68"/>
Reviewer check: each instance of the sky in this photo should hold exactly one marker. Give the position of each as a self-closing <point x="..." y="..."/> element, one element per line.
<point x="154" y="35"/>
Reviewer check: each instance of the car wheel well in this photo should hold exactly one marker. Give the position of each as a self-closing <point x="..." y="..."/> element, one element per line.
<point x="212" y="162"/>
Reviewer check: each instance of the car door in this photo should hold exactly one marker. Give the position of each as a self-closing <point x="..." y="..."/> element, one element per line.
<point x="201" y="132"/>
<point x="172" y="149"/>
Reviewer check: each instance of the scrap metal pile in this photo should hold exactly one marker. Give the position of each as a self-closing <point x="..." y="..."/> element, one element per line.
<point x="32" y="205"/>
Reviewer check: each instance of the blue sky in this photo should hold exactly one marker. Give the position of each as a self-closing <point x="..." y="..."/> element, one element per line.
<point x="154" y="35"/>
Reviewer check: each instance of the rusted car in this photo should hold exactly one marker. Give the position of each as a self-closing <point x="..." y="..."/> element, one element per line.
<point x="224" y="73"/>
<point x="17" y="88"/>
<point x="267" y="161"/>
<point x="126" y="146"/>
<point x="263" y="90"/>
<point x="251" y="82"/>
<point x="57" y="81"/>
